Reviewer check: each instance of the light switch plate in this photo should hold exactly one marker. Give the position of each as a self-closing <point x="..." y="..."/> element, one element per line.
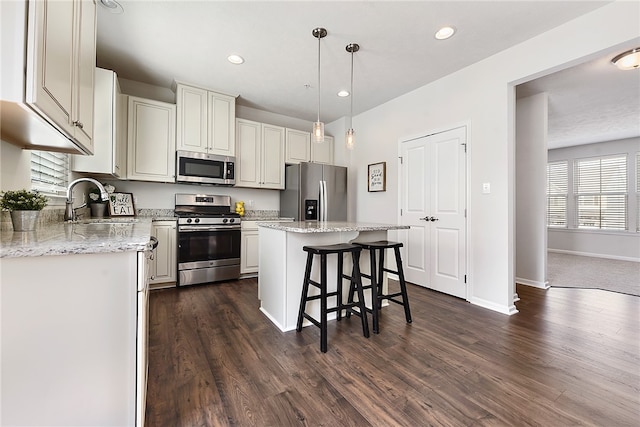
<point x="486" y="187"/>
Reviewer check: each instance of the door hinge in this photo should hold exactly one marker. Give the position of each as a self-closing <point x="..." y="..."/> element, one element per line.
<point x="465" y="278"/>
<point x="464" y="144"/>
<point x="400" y="160"/>
<point x="400" y="212"/>
<point x="465" y="213"/>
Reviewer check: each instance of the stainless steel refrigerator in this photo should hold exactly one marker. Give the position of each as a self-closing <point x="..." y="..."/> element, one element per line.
<point x="314" y="192"/>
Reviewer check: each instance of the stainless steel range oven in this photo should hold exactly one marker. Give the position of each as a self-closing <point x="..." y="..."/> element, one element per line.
<point x="208" y="239"/>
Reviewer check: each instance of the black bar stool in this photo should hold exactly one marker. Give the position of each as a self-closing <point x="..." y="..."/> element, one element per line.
<point x="375" y="278"/>
<point x="356" y="286"/>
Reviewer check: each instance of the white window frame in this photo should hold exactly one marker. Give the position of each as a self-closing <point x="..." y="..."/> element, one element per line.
<point x="591" y="183"/>
<point x="558" y="189"/>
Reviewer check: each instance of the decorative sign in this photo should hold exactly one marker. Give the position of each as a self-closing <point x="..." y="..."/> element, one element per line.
<point x="121" y="204"/>
<point x="378" y="177"/>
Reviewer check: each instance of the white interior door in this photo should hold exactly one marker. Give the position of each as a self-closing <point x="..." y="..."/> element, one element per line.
<point x="433" y="199"/>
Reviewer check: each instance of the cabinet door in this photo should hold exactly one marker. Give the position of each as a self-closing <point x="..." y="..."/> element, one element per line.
<point x="249" y="256"/>
<point x="323" y="153"/>
<point x="163" y="265"/>
<point x="248" y="153"/>
<point x="222" y="116"/>
<point x="50" y="60"/>
<point x="297" y="146"/>
<point x="272" y="170"/>
<point x="192" y="116"/>
<point x="84" y="77"/>
<point x="151" y="140"/>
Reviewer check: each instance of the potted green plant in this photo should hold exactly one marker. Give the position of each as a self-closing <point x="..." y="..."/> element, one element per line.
<point x="24" y="207"/>
<point x="98" y="207"/>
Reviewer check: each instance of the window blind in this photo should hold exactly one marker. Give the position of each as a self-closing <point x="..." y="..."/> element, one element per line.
<point x="600" y="186"/>
<point x="49" y="172"/>
<point x="557" y="188"/>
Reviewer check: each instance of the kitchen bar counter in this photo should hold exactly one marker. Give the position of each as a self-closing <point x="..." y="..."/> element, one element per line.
<point x="108" y="235"/>
<point x="329" y="226"/>
<point x="282" y="263"/>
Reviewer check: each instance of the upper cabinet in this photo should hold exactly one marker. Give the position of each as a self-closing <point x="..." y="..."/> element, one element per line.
<point x="205" y="121"/>
<point x="49" y="69"/>
<point x="151" y="142"/>
<point x="110" y="129"/>
<point x="299" y="148"/>
<point x="323" y="153"/>
<point x="260" y="155"/>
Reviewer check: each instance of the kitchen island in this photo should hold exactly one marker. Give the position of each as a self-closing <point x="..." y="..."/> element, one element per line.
<point x="282" y="262"/>
<point x="74" y="323"/>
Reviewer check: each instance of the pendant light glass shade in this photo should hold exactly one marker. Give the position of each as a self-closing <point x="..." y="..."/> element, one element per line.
<point x="318" y="132"/>
<point x="350" y="139"/>
<point x="318" y="127"/>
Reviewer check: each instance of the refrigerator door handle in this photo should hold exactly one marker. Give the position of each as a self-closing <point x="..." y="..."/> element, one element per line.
<point x="321" y="202"/>
<point x="326" y="201"/>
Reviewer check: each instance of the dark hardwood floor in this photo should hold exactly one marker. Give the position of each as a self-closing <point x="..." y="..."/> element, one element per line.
<point x="569" y="357"/>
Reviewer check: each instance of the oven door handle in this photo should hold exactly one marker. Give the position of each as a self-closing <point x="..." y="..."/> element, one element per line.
<point x="207" y="228"/>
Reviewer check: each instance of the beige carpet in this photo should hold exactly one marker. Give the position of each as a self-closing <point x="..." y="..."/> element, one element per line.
<point x="574" y="271"/>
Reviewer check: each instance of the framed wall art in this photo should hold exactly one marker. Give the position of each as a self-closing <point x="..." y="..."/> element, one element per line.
<point x="121" y="204"/>
<point x="377" y="177"/>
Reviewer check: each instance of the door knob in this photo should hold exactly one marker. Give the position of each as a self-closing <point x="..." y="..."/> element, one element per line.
<point x="426" y="218"/>
<point x="433" y="218"/>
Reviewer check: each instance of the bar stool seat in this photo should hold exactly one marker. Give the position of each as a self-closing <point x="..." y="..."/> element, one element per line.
<point x="376" y="253"/>
<point x="355" y="285"/>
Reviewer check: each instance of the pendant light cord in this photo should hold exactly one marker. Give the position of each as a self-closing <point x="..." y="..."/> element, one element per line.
<point x="319" y="38"/>
<point x="351" y="96"/>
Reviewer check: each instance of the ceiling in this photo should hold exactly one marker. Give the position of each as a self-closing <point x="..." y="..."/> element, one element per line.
<point x="157" y="42"/>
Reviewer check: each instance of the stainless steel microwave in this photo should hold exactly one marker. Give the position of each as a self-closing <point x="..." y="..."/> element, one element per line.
<point x="205" y="168"/>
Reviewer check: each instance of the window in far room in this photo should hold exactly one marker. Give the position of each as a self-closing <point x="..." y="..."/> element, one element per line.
<point x="600" y="190"/>
<point x="50" y="173"/>
<point x="557" y="188"/>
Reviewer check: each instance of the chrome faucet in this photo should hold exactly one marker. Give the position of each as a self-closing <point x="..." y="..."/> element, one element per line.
<point x="69" y="213"/>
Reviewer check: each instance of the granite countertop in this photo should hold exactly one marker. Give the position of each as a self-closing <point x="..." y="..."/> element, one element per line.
<point x="329" y="226"/>
<point x="83" y="237"/>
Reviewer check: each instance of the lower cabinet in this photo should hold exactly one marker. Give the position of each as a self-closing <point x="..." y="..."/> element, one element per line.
<point x="249" y="251"/>
<point x="162" y="270"/>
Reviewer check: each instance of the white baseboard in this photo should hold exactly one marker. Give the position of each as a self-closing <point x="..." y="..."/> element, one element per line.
<point x="618" y="258"/>
<point x="509" y="310"/>
<point x="533" y="283"/>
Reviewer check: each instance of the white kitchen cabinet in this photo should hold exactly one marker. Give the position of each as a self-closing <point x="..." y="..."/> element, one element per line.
<point x="323" y="153"/>
<point x="48" y="62"/>
<point x="249" y="252"/>
<point x="73" y="332"/>
<point x="61" y="65"/>
<point x="260" y="155"/>
<point x="205" y="120"/>
<point x="163" y="265"/>
<point x="299" y="148"/>
<point x="151" y="140"/>
<point x="110" y="129"/>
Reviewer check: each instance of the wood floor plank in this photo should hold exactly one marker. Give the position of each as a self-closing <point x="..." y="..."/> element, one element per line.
<point x="569" y="357"/>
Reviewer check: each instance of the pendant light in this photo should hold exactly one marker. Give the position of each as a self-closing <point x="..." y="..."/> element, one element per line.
<point x="351" y="137"/>
<point x="318" y="127"/>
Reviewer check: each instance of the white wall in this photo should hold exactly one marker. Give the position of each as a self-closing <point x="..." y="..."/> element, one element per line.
<point x="482" y="96"/>
<point x="531" y="198"/>
<point x="624" y="245"/>
<point x="15" y="165"/>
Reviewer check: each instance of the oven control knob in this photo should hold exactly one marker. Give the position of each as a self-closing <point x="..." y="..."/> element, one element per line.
<point x="224" y="221"/>
<point x="232" y="220"/>
<point x="188" y="220"/>
<point x="197" y="220"/>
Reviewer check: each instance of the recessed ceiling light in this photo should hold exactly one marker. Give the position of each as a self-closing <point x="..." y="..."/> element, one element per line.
<point x="343" y="93"/>
<point x="235" y="59"/>
<point x="445" y="32"/>
<point x="112" y="6"/>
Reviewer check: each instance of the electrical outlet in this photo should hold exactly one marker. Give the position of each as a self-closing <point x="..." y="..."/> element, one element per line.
<point x="486" y="188"/>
